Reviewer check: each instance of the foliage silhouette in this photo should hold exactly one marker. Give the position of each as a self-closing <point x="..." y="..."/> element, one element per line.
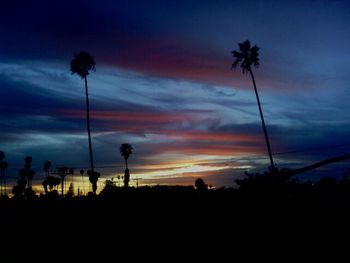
<point x="279" y="177"/>
<point x="28" y="169"/>
<point x="82" y="64"/>
<point x="26" y="175"/>
<point x="247" y="57"/>
<point x="200" y="185"/>
<point x="109" y="189"/>
<point x="125" y="151"/>
<point x="93" y="178"/>
<point x="260" y="224"/>
<point x="51" y="182"/>
<point x="70" y="192"/>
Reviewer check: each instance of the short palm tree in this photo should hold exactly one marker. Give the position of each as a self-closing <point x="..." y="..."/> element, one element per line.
<point x="246" y="57"/>
<point x="82" y="64"/>
<point x="93" y="178"/>
<point x="28" y="170"/>
<point x="126" y="151"/>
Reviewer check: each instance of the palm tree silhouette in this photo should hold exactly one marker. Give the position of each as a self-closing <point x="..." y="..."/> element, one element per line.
<point x="28" y="170"/>
<point x="93" y="178"/>
<point x="46" y="168"/>
<point x="18" y="190"/>
<point x="52" y="182"/>
<point x="247" y="57"/>
<point x="81" y="64"/>
<point x="126" y="151"/>
<point x="62" y="172"/>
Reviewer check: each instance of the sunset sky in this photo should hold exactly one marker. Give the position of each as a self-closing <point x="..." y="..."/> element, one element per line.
<point x="164" y="84"/>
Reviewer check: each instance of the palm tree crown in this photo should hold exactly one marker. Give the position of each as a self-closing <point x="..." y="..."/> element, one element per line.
<point x="82" y="63"/>
<point x="246" y="56"/>
<point x="126" y="150"/>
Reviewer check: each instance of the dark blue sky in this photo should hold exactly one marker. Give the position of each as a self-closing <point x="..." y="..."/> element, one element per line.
<point x="164" y="84"/>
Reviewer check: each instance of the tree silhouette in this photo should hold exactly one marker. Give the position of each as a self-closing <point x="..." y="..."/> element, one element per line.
<point x="247" y="57"/>
<point x="28" y="170"/>
<point x="82" y="64"/>
<point x="126" y="151"/>
<point x="200" y="185"/>
<point x="110" y="188"/>
<point x="26" y="175"/>
<point x="93" y="178"/>
<point x="70" y="192"/>
<point x="52" y="182"/>
<point x="82" y="179"/>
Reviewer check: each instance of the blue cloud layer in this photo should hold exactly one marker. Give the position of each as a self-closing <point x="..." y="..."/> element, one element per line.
<point x="166" y="59"/>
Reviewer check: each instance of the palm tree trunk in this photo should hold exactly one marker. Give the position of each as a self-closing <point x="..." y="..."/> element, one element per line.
<point x="88" y="125"/>
<point x="263" y="121"/>
<point x="319" y="164"/>
<point x="126" y="163"/>
<point x="62" y="184"/>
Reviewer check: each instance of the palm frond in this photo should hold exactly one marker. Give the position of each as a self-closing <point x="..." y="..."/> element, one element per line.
<point x="246" y="56"/>
<point x="126" y="150"/>
<point x="82" y="63"/>
<point x="235" y="63"/>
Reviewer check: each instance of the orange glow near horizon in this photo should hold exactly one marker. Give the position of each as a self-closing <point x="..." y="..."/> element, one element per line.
<point x="176" y="152"/>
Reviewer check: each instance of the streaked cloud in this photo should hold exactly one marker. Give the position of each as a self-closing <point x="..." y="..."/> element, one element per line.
<point x="164" y="84"/>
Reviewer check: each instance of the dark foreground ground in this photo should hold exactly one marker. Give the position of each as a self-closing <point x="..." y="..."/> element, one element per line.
<point x="284" y="224"/>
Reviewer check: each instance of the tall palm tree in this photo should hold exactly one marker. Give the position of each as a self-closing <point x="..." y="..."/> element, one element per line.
<point x="82" y="64"/>
<point x="246" y="57"/>
<point x="126" y="151"/>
